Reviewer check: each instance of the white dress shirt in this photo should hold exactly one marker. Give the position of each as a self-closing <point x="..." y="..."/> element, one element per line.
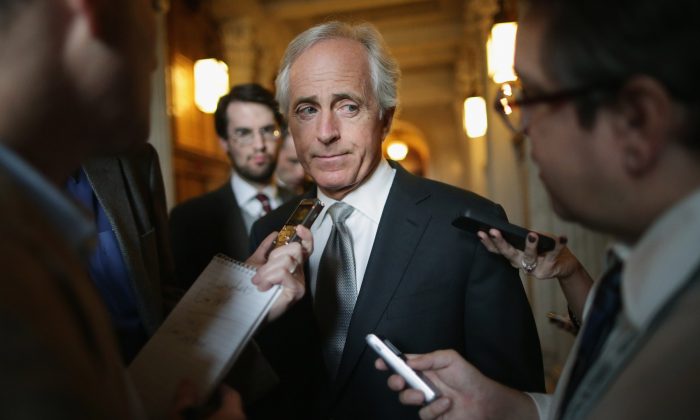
<point x="245" y="196"/>
<point x="368" y="200"/>
<point x="655" y="268"/>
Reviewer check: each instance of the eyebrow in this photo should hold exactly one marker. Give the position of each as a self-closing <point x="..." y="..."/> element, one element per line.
<point x="337" y="97"/>
<point x="310" y="99"/>
<point x="341" y="96"/>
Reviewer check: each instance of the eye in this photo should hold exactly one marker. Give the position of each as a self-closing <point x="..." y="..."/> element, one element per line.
<point x="271" y="131"/>
<point x="242" y="132"/>
<point x="349" y="108"/>
<point x="305" y="112"/>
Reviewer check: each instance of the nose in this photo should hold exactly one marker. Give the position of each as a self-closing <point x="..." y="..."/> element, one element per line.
<point x="328" y="131"/>
<point x="259" y="140"/>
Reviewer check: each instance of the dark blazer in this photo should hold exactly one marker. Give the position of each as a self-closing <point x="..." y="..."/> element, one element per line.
<point x="130" y="189"/>
<point x="204" y="226"/>
<point x="428" y="286"/>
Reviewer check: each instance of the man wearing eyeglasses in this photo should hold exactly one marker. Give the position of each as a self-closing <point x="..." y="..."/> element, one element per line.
<point x="609" y="100"/>
<point x="248" y="124"/>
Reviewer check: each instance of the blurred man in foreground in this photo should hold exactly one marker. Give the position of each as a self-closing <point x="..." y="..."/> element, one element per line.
<point x="75" y="76"/>
<point x="609" y="99"/>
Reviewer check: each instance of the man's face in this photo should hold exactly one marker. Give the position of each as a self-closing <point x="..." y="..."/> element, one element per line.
<point x="289" y="169"/>
<point x="253" y="141"/>
<point x="578" y="166"/>
<point x="334" y="117"/>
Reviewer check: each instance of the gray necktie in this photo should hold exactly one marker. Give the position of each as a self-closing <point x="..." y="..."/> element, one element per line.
<point x="336" y="289"/>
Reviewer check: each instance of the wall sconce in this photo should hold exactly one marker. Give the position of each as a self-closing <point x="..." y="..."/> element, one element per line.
<point x="475" y="118"/>
<point x="500" y="50"/>
<point x="210" y="83"/>
<point x="397" y="150"/>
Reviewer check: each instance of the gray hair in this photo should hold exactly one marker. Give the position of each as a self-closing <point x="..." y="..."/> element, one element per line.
<point x="384" y="71"/>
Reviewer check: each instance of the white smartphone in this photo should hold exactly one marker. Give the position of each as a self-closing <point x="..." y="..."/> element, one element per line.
<point x="397" y="362"/>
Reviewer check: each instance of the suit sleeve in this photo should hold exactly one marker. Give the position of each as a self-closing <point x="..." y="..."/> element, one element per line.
<point x="500" y="333"/>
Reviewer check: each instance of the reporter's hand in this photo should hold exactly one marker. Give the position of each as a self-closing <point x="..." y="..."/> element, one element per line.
<point x="185" y="407"/>
<point x="557" y="263"/>
<point x="284" y="266"/>
<point x="459" y="383"/>
<point x="466" y="393"/>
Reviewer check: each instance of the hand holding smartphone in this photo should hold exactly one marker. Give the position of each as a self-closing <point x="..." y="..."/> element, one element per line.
<point x="397" y="362"/>
<point x="473" y="221"/>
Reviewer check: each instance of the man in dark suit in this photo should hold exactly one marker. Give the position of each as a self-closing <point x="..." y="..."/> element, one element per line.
<point x="413" y="277"/>
<point x="248" y="124"/>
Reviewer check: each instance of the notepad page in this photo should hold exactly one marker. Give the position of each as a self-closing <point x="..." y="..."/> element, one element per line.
<point x="202" y="336"/>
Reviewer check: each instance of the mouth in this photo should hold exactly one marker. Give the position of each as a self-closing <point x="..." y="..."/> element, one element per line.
<point x="260" y="159"/>
<point x="330" y="155"/>
<point x="330" y="161"/>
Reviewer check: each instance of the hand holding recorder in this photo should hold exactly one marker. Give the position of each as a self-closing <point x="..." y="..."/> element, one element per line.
<point x="284" y="265"/>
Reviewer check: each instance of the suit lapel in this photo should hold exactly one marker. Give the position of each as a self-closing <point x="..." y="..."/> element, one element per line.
<point x="401" y="226"/>
<point x="101" y="173"/>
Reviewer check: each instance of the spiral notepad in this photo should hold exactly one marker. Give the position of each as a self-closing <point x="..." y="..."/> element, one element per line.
<point x="203" y="335"/>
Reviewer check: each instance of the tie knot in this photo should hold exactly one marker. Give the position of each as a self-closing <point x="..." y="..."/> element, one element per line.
<point x="340" y="212"/>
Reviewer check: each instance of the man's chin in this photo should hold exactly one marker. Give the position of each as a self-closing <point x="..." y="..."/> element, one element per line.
<point x="259" y="177"/>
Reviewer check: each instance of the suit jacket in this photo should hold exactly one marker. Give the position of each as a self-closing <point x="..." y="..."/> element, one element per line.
<point x="130" y="189"/>
<point x="203" y="227"/>
<point x="59" y="357"/>
<point x="660" y="376"/>
<point x="428" y="286"/>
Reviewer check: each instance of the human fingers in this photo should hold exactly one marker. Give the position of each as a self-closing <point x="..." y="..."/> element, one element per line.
<point x="504" y="248"/>
<point x="435" y="409"/>
<point x="307" y="240"/>
<point x="282" y="268"/>
<point x="185" y="397"/>
<point x="528" y="261"/>
<point x="433" y="361"/>
<point x="396" y="382"/>
<point x="410" y="396"/>
<point x="380" y="365"/>
<point x="259" y="257"/>
<point x="487" y="242"/>
<point x="231" y="406"/>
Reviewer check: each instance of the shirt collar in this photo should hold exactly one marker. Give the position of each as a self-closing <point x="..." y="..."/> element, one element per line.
<point x="370" y="197"/>
<point x="63" y="214"/>
<point x="662" y="261"/>
<point x="246" y="192"/>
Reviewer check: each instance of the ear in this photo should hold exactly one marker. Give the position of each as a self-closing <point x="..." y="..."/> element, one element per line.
<point x="645" y="122"/>
<point x="387" y="119"/>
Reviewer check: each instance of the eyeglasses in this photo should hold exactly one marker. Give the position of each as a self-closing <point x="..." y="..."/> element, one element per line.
<point x="246" y="136"/>
<point x="512" y="98"/>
